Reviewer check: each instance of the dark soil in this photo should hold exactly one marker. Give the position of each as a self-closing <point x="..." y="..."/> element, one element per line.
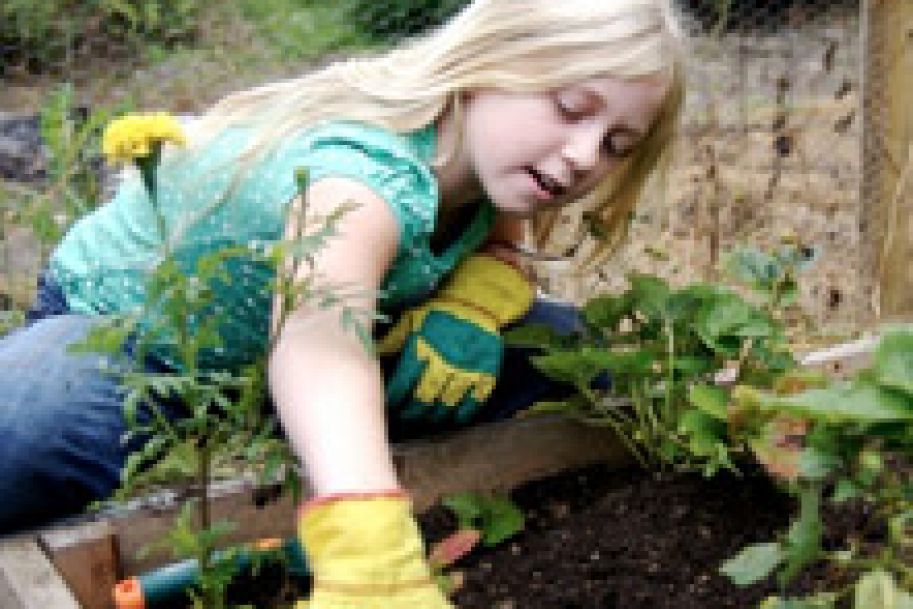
<point x="602" y="539"/>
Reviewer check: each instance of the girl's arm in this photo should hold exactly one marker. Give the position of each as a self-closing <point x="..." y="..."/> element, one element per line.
<point x="327" y="388"/>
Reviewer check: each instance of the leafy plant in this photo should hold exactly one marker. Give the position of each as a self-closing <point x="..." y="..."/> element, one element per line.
<point x="664" y="350"/>
<point x="72" y="139"/>
<point x="495" y="516"/>
<point x="398" y="18"/>
<point x="39" y="35"/>
<point x="194" y="415"/>
<point x="773" y="277"/>
<point x="847" y="440"/>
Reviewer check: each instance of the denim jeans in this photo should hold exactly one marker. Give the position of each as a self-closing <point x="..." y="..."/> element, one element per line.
<point x="61" y="415"/>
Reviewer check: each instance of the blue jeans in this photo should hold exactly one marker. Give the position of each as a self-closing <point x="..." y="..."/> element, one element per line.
<point x="61" y="417"/>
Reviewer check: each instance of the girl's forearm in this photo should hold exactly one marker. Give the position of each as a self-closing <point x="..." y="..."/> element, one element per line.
<point x="328" y="391"/>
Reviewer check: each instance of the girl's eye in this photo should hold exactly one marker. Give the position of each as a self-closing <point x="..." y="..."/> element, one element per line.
<point x="567" y="110"/>
<point x="614" y="149"/>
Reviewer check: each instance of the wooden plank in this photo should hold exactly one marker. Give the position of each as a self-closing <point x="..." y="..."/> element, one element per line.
<point x="28" y="580"/>
<point x="495" y="456"/>
<point x="886" y="221"/>
<point x="86" y="557"/>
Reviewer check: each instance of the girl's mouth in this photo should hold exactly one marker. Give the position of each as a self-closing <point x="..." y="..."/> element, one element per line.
<point x="546" y="186"/>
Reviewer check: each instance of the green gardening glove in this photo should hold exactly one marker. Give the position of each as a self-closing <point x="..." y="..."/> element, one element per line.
<point x="450" y="347"/>
<point x="366" y="552"/>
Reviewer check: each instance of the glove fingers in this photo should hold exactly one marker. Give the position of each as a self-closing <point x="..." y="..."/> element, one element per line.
<point x="408" y="371"/>
<point x="467" y="409"/>
<point x="452" y="394"/>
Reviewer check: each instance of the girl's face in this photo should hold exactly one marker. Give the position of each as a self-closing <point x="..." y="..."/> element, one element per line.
<point x="530" y="151"/>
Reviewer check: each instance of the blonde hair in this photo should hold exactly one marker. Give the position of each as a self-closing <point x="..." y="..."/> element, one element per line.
<point x="514" y="45"/>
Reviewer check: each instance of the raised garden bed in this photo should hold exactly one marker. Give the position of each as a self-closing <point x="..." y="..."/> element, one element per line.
<point x="598" y="533"/>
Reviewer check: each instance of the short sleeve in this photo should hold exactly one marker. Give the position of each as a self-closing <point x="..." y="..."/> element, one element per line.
<point x="387" y="163"/>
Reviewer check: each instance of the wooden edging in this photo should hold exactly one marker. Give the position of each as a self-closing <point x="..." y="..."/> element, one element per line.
<point x="90" y="557"/>
<point x="74" y="567"/>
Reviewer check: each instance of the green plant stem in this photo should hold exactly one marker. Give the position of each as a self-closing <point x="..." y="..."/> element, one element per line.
<point x="147" y="167"/>
<point x="668" y="413"/>
<point x="617" y="422"/>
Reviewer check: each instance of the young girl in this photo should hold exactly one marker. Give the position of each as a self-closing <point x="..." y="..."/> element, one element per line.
<point x="448" y="145"/>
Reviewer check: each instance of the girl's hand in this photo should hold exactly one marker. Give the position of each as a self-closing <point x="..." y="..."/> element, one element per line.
<point x="451" y="349"/>
<point x="365" y="551"/>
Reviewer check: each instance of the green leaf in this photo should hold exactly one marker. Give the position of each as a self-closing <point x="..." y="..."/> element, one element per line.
<point x="710" y="399"/>
<point x="649" y="295"/>
<point x="894" y="361"/>
<point x="503" y="519"/>
<point x="816" y="465"/>
<point x="605" y="311"/>
<point x="495" y="516"/>
<point x="876" y="590"/>
<point x="861" y="403"/>
<point x="803" y="540"/>
<point x="575" y="367"/>
<point x="465" y="506"/>
<point x="753" y="564"/>
<point x="705" y="433"/>
<point x="824" y="600"/>
<point x="845" y="490"/>
<point x="532" y="335"/>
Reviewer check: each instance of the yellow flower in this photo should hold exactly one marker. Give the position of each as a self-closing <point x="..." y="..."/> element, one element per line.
<point x="135" y="136"/>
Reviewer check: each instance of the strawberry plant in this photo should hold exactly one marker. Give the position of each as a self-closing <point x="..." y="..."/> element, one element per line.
<point x="837" y="441"/>
<point x="657" y="343"/>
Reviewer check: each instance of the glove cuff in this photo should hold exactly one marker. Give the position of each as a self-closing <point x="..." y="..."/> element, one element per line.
<point x="491" y="285"/>
<point x="345" y="496"/>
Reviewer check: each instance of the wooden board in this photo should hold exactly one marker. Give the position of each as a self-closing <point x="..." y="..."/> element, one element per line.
<point x="28" y="579"/>
<point x="496" y="456"/>
<point x="887" y="183"/>
<point x="86" y="557"/>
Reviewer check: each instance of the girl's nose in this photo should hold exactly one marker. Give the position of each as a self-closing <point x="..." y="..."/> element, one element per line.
<point x="582" y="150"/>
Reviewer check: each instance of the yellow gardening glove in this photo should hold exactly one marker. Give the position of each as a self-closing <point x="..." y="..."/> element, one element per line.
<point x="451" y="349"/>
<point x="366" y="552"/>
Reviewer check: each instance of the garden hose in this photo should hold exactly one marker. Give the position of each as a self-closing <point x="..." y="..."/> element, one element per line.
<point x="162" y="587"/>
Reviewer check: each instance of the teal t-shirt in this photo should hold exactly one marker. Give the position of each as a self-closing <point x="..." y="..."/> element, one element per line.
<point x="103" y="261"/>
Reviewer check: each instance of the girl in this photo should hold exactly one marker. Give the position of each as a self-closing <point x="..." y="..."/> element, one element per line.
<point x="448" y="145"/>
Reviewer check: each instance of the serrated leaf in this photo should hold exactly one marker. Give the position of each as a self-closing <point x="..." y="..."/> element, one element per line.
<point x="704" y="432"/>
<point x="753" y="563"/>
<point x="894" y="361"/>
<point x="711" y="400"/>
<point x="532" y="335"/>
<point x="503" y="520"/>
<point x="861" y="403"/>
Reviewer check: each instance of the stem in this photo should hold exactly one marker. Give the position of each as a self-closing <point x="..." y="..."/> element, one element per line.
<point x="670" y="372"/>
<point x="147" y="166"/>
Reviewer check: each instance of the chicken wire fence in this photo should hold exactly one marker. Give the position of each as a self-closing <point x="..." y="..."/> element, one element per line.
<point x="771" y="142"/>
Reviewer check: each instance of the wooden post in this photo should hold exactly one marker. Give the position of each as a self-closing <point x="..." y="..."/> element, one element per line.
<point x="886" y="222"/>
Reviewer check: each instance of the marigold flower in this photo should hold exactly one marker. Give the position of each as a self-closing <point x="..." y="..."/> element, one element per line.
<point x="135" y="136"/>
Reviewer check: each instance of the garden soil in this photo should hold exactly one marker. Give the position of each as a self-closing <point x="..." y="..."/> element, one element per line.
<point x="596" y="538"/>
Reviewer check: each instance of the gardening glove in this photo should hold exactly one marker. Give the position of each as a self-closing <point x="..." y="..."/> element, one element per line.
<point x="366" y="552"/>
<point x="451" y="349"/>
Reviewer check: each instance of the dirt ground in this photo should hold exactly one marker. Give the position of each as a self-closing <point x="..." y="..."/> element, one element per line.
<point x="596" y="538"/>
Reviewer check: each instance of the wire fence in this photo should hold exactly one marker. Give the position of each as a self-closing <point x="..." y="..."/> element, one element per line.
<point x="771" y="145"/>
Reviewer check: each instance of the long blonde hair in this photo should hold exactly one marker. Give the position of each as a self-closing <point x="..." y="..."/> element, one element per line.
<point x="514" y="45"/>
